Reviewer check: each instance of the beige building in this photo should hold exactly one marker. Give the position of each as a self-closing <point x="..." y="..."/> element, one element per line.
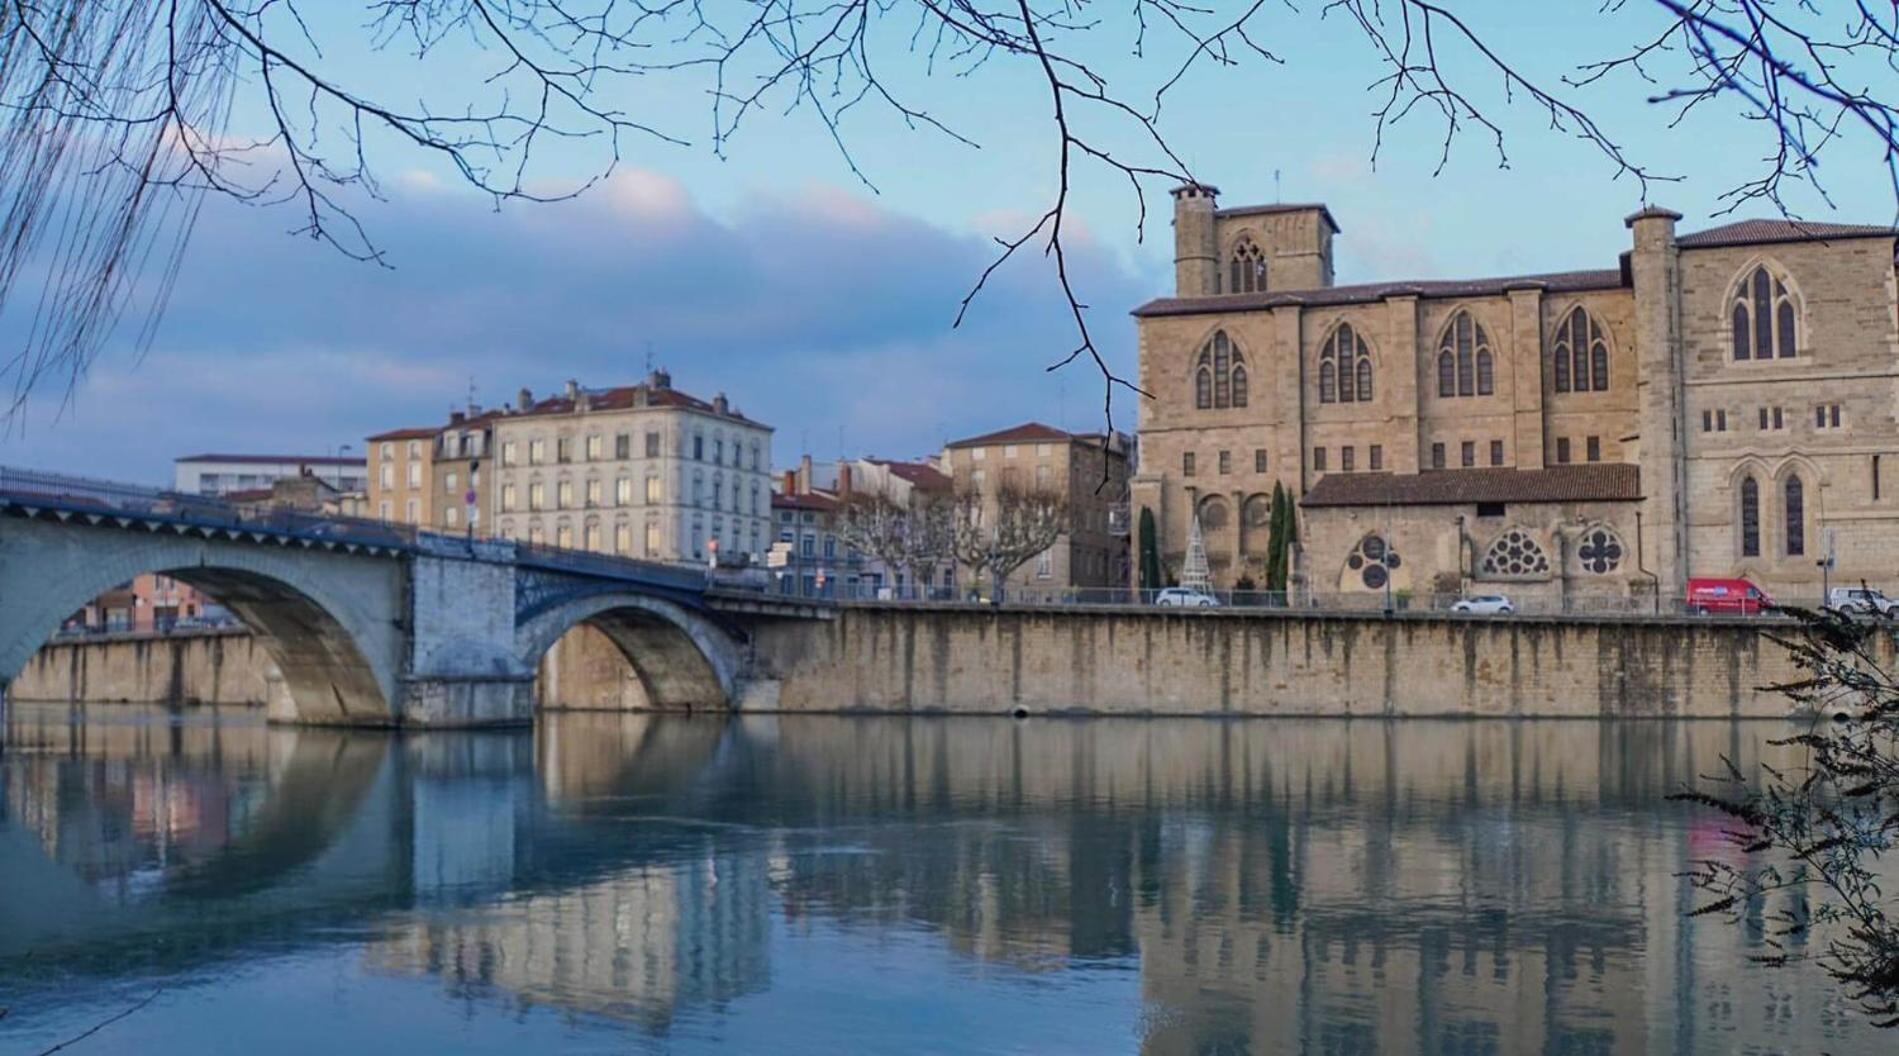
<point x="402" y="476"/>
<point x="1088" y="469"/>
<point x="640" y="471"/>
<point x="1718" y="404"/>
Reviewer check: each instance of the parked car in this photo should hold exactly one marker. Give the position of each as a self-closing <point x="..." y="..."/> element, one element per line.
<point x="1187" y="598"/>
<point x="1735" y="597"/>
<point x="1485" y="605"/>
<point x="1861" y="600"/>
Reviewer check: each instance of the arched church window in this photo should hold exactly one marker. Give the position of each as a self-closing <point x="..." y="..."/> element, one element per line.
<point x="1580" y="354"/>
<point x="1515" y="555"/>
<point x="1765" y="321"/>
<point x="1750" y="518"/>
<point x="1248" y="268"/>
<point x="1220" y="375"/>
<point x="1796" y="514"/>
<point x="1601" y="551"/>
<point x="1464" y="349"/>
<point x="1345" y="373"/>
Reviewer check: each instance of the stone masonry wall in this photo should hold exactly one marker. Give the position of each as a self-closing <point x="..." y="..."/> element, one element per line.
<point x="1229" y="663"/>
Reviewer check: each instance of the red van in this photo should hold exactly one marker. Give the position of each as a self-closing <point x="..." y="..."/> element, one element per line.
<point x="1734" y="597"/>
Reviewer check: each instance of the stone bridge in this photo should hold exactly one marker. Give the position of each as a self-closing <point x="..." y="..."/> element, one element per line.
<point x="372" y="624"/>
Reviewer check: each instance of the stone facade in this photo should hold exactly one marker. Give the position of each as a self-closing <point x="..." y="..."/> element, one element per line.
<point x="1467" y="420"/>
<point x="1088" y="470"/>
<point x="639" y="471"/>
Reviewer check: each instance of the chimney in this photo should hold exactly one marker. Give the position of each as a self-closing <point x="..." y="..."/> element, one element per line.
<point x="804" y="475"/>
<point x="572" y="391"/>
<point x="791" y="482"/>
<point x="456" y="417"/>
<point x="719" y="404"/>
<point x="583" y="402"/>
<point x="526" y="398"/>
<point x="659" y="379"/>
<point x="844" y="481"/>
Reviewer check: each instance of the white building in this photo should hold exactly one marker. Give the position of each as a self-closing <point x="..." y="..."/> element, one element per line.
<point x="639" y="471"/>
<point x="221" y="474"/>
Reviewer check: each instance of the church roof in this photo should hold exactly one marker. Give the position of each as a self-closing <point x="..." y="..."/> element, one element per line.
<point x="1586" y="482"/>
<point x="1757" y="232"/>
<point x="1555" y="282"/>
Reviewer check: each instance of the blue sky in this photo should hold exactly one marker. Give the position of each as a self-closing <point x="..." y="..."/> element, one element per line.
<point x="822" y="305"/>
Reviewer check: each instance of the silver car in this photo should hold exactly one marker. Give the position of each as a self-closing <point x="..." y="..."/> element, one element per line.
<point x="1484" y="605"/>
<point x="1187" y="598"/>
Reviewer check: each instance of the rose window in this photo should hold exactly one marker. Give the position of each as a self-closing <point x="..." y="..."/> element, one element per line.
<point x="1373" y="561"/>
<point x="1516" y="556"/>
<point x="1601" y="551"/>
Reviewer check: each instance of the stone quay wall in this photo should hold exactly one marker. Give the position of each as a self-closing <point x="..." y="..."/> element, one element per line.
<point x="934" y="660"/>
<point x="1241" y="663"/>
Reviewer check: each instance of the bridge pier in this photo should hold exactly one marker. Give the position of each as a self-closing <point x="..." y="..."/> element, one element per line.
<point x="451" y="702"/>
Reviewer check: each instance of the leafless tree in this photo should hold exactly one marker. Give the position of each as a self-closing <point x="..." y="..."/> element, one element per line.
<point x="915" y="536"/>
<point x="117" y="116"/>
<point x="998" y="533"/>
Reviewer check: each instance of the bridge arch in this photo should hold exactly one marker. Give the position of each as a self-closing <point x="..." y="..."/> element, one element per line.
<point x="327" y="620"/>
<point x="684" y="659"/>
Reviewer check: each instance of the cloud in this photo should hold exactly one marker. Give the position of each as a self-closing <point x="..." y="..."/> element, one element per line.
<point x="816" y="310"/>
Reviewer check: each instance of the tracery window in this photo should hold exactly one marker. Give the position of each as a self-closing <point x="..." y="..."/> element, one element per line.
<point x="1345" y="371"/>
<point x="1247" y="268"/>
<point x="1516" y="556"/>
<point x="1765" y="323"/>
<point x="1465" y="365"/>
<point x="1580" y="354"/>
<point x="1601" y="551"/>
<point x="1220" y="375"/>
<point x="1373" y="561"/>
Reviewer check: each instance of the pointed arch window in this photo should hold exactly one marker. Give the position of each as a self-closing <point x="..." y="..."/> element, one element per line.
<point x="1220" y="379"/>
<point x="1580" y="354"/>
<point x="1465" y="364"/>
<point x="1750" y="517"/>
<point x="1765" y="321"/>
<point x="1796" y="514"/>
<point x="1345" y="371"/>
<point x="1247" y="269"/>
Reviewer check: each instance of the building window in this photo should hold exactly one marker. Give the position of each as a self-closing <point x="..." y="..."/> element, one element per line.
<point x="698" y="449"/>
<point x="415" y="449"/>
<point x="1186" y="468"/>
<point x="564" y="495"/>
<point x="1601" y="551"/>
<point x="1593" y="448"/>
<point x="1045" y="565"/>
<point x="1348" y="457"/>
<point x="507" y="498"/>
<point x="1467" y="454"/>
<point x="537" y="452"/>
<point x="593" y="494"/>
<point x="1318" y="460"/>
<point x="1247" y="270"/>
<point x="592" y="538"/>
<point x="653" y="492"/>
<point x="412" y="511"/>
<point x="1562" y="449"/>
<point x="388" y="451"/>
<point x="1372" y="561"/>
<point x="1580" y="355"/>
<point x="508" y="454"/>
<point x="1464" y="363"/>
<point x="1377" y="457"/>
<point x="622" y="538"/>
<point x="1496" y="452"/>
<point x="1764" y="318"/>
<point x="1226" y="465"/>
<point x="623" y="491"/>
<point x="449" y="482"/>
<point x="1750" y="518"/>
<point x="1220" y="375"/>
<point x="1516" y="556"/>
<point x="652" y="445"/>
<point x="536" y="535"/>
<point x="387" y="475"/>
<point x="596" y="447"/>
<point x="1796" y="513"/>
<point x="1345" y="371"/>
<point x="1437" y="456"/>
<point x="622" y="447"/>
<point x="1826" y="416"/>
<point x="1875" y="478"/>
<point x="564" y="536"/>
<point x="564" y="449"/>
<point x="537" y="495"/>
<point x="415" y="474"/>
<point x="1259" y="460"/>
<point x="653" y="539"/>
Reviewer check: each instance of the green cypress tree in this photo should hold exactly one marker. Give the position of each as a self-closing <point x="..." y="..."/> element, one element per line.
<point x="1150" y="552"/>
<point x="1276" y="541"/>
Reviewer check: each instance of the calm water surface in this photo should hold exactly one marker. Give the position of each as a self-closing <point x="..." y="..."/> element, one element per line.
<point x="634" y="884"/>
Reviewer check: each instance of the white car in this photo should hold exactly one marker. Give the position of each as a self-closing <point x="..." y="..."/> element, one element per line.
<point x="1485" y="605"/>
<point x="1187" y="598"/>
<point x="1861" y="599"/>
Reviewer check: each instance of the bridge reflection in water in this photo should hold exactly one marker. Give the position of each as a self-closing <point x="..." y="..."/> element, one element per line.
<point x="831" y="884"/>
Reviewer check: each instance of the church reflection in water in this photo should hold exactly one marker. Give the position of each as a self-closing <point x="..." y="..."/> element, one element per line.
<point x="1321" y="887"/>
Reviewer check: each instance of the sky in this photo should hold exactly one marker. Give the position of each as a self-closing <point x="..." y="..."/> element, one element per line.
<point x="820" y="300"/>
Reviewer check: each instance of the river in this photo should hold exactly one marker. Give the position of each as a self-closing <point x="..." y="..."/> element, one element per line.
<point x="645" y="884"/>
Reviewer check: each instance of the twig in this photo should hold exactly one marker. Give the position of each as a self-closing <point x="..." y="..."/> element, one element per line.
<point x="128" y="1013"/>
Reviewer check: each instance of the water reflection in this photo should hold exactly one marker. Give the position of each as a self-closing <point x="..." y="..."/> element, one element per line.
<point x="828" y="883"/>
